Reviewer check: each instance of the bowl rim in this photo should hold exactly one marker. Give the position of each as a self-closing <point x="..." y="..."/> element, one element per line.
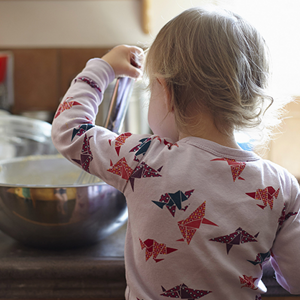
<point x="22" y="127"/>
<point x="3" y="162"/>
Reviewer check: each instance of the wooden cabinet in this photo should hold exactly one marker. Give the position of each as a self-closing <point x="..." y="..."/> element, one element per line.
<point x="36" y="80"/>
<point x="42" y="76"/>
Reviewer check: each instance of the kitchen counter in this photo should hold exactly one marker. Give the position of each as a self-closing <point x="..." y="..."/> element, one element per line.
<point x="96" y="271"/>
<point x="91" y="272"/>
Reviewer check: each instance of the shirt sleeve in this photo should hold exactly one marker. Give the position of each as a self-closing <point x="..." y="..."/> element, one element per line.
<point x="93" y="148"/>
<point x="285" y="252"/>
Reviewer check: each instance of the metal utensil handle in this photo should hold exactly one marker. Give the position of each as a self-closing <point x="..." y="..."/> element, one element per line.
<point x="119" y="104"/>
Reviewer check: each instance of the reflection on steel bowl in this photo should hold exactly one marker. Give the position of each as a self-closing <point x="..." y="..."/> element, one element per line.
<point x="21" y="136"/>
<point x="40" y="206"/>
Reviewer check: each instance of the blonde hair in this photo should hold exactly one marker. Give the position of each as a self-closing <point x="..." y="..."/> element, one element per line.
<point x="212" y="60"/>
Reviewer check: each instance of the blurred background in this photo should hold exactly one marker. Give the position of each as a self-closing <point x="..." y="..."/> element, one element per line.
<point x="40" y="24"/>
<point x="48" y="42"/>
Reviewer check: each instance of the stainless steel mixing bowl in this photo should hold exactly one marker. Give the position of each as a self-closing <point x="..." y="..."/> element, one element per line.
<point x="40" y="205"/>
<point x="21" y="136"/>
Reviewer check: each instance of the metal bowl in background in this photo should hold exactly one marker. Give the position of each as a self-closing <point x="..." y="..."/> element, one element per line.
<point x="4" y="112"/>
<point x="40" y="206"/>
<point x="22" y="136"/>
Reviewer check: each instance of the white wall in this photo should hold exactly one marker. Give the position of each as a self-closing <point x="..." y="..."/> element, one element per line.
<point x="279" y="23"/>
<point x="82" y="23"/>
<point x="111" y="22"/>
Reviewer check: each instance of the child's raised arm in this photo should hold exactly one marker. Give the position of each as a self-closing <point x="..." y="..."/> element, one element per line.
<point x="74" y="133"/>
<point x="126" y="60"/>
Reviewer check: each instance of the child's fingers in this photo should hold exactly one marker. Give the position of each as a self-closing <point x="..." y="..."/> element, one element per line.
<point x="137" y="60"/>
<point x="134" y="72"/>
<point x="135" y="63"/>
<point x="137" y="57"/>
<point x="126" y="60"/>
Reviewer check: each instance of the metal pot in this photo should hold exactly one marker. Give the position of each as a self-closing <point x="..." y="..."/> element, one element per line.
<point x="21" y="136"/>
<point x="40" y="205"/>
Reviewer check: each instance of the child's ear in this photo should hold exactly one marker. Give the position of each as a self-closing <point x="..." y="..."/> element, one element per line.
<point x="167" y="95"/>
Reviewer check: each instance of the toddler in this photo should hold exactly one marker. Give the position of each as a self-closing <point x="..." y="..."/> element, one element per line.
<point x="203" y="213"/>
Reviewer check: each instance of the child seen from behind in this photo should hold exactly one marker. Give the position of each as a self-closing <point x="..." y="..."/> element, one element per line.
<point x="203" y="214"/>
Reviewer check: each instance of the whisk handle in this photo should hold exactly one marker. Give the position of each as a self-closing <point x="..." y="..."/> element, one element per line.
<point x="119" y="104"/>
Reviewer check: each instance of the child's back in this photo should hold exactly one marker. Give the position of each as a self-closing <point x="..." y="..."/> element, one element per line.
<point x="204" y="218"/>
<point x="203" y="213"/>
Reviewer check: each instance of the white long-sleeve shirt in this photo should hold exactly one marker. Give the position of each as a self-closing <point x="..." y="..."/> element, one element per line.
<point x="202" y="217"/>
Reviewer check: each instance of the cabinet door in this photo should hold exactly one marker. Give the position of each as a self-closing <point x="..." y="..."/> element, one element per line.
<point x="36" y="80"/>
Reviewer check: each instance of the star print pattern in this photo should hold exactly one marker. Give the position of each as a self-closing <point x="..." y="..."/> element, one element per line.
<point x="153" y="249"/>
<point x="236" y="167"/>
<point x="267" y="195"/>
<point x="182" y="291"/>
<point x="189" y="226"/>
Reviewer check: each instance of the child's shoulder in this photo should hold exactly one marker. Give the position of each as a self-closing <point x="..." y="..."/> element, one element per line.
<point x="274" y="169"/>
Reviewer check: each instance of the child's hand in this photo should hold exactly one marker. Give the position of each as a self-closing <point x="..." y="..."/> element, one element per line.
<point x="126" y="60"/>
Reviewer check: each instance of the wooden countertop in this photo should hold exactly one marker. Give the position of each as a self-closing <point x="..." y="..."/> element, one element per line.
<point x="96" y="271"/>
